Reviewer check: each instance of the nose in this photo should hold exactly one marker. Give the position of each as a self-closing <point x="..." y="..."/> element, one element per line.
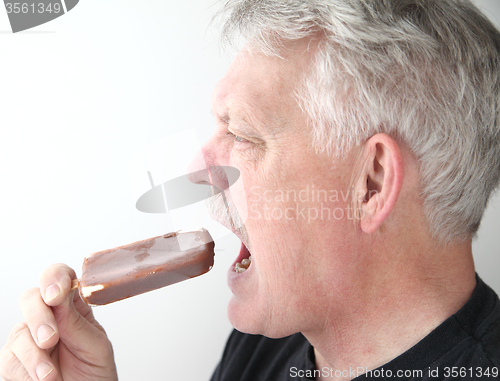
<point x="204" y="169"/>
<point x="198" y="169"/>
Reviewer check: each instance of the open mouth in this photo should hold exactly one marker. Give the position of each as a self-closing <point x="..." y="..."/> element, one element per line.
<point x="244" y="260"/>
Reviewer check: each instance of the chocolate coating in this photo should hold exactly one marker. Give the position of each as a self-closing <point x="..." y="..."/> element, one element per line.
<point x="125" y="271"/>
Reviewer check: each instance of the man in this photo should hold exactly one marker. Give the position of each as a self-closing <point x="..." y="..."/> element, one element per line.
<point x="366" y="135"/>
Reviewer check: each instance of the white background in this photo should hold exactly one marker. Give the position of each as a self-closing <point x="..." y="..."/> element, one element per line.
<point x="79" y="97"/>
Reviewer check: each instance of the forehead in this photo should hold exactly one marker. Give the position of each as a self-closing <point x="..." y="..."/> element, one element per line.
<point x="260" y="85"/>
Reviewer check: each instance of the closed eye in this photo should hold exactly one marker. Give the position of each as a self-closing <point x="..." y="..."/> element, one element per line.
<point x="237" y="138"/>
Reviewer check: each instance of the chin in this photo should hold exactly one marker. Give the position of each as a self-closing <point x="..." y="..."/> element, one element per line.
<point x="242" y="318"/>
<point x="252" y="320"/>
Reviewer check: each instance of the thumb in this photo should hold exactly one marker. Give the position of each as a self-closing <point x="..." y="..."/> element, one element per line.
<point x="78" y="329"/>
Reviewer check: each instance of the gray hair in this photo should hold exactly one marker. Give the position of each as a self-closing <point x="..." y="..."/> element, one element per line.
<point x="426" y="72"/>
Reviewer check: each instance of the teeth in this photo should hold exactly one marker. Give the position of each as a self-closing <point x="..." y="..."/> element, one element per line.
<point x="241" y="267"/>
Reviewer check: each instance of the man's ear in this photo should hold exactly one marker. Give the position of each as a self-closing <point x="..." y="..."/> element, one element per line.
<point x="379" y="181"/>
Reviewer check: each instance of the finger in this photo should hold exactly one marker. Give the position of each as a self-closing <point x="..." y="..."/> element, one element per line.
<point x="55" y="288"/>
<point x="83" y="337"/>
<point x="75" y="323"/>
<point x="55" y="284"/>
<point x="11" y="368"/>
<point x="39" y="319"/>
<point x="84" y="310"/>
<point x="34" y="360"/>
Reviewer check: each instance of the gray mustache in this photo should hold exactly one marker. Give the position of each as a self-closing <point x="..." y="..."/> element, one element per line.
<point x="223" y="210"/>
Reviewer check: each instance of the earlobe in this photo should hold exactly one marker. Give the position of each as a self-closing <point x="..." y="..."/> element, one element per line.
<point x="380" y="182"/>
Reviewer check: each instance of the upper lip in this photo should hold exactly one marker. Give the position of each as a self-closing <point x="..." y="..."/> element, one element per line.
<point x="228" y="224"/>
<point x="232" y="229"/>
<point x="236" y="233"/>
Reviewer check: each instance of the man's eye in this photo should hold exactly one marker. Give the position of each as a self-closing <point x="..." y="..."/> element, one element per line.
<point x="238" y="139"/>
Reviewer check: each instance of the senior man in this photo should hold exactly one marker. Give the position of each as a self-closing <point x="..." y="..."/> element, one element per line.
<point x="368" y="141"/>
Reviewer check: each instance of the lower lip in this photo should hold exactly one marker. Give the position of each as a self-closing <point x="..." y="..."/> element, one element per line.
<point x="232" y="276"/>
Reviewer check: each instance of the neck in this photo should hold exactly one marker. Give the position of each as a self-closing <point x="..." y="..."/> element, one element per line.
<point x="392" y="307"/>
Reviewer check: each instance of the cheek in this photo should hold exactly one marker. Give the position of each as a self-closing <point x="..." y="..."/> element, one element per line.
<point x="294" y="228"/>
<point x="239" y="198"/>
<point x="277" y="237"/>
<point x="243" y="188"/>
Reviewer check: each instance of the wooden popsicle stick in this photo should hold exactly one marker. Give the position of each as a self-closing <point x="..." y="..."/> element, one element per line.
<point x="74" y="284"/>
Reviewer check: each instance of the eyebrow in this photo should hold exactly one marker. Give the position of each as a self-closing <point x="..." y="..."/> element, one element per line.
<point x="225" y="117"/>
<point x="242" y="112"/>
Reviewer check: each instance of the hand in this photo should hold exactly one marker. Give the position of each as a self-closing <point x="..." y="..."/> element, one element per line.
<point x="59" y="340"/>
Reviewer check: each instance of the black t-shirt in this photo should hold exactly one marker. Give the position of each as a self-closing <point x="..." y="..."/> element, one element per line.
<point x="464" y="347"/>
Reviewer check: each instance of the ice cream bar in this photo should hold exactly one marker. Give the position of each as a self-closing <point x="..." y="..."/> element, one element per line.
<point x="125" y="271"/>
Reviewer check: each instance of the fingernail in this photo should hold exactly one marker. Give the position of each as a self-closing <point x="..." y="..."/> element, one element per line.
<point x="44" y="333"/>
<point x="51" y="292"/>
<point x="43" y="370"/>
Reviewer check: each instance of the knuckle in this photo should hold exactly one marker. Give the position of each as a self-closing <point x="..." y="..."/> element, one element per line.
<point x="14" y="369"/>
<point x="56" y="271"/>
<point x="6" y="358"/>
<point x="32" y="307"/>
<point x="19" y="342"/>
<point x="27" y="295"/>
<point x="17" y="331"/>
<point x="10" y="367"/>
<point x="105" y="351"/>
